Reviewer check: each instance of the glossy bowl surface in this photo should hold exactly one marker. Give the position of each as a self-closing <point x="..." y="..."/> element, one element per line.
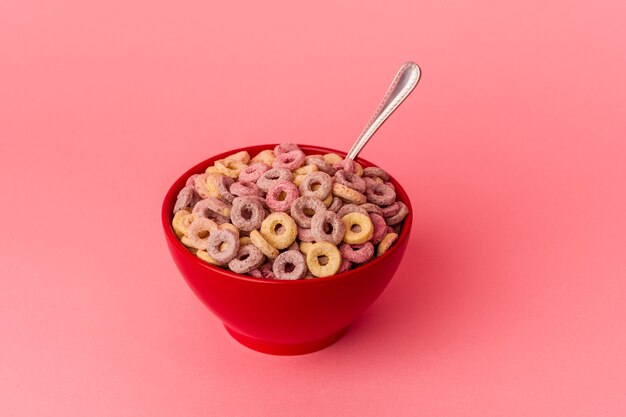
<point x="284" y="317"/>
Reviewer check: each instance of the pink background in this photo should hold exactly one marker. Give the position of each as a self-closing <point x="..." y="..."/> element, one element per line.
<point x="513" y="301"/>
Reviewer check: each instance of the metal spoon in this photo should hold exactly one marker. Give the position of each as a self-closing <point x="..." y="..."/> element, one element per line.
<point x="404" y="82"/>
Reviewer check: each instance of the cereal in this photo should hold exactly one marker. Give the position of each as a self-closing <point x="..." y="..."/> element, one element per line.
<point x="245" y="189"/>
<point x="348" y="194"/>
<point x="285" y="147"/>
<point x="223" y="186"/>
<point x="380" y="194"/>
<point x="317" y="184"/>
<point x="359" y="228"/>
<point x="244" y="240"/>
<point x="390" y="210"/>
<point x="375" y="172"/>
<point x="279" y="230"/>
<point x="332" y="158"/>
<point x="371" y="208"/>
<point x="399" y="216"/>
<point x="266" y="270"/>
<point x="303" y="208"/>
<point x="305" y="246"/>
<point x="307" y="169"/>
<point x="380" y="228"/>
<point x="199" y="231"/>
<point x="230" y="167"/>
<point x="320" y="164"/>
<point x="253" y="172"/>
<point x="199" y="183"/>
<point x="323" y="259"/>
<point x="326" y="226"/>
<point x="350" y="208"/>
<point x="266" y="180"/>
<point x="191" y="180"/>
<point x="281" y="194"/>
<point x="257" y="240"/>
<point x="267" y="157"/>
<point x="336" y="204"/>
<point x="291" y="160"/>
<point x="290" y="265"/>
<point x="187" y="198"/>
<point x="222" y="246"/>
<point x="248" y="257"/>
<point x="202" y="254"/>
<point x="247" y="213"/>
<point x="386" y="243"/>
<point x="210" y="205"/>
<point x="345" y="266"/>
<point x="241" y="156"/>
<point x="305" y="234"/>
<point x="357" y="253"/>
<point x="350" y="180"/>
<point x="180" y="223"/>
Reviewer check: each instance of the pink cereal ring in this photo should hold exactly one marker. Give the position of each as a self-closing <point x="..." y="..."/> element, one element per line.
<point x="267" y="271"/>
<point x="371" y="208"/>
<point x="399" y="216"/>
<point x="303" y="208"/>
<point x="248" y="257"/>
<point x="223" y="186"/>
<point x="380" y="194"/>
<point x="380" y="228"/>
<point x="336" y="204"/>
<point x="281" y="195"/>
<point x="223" y="245"/>
<point x="214" y="209"/>
<point x="199" y="231"/>
<point x="286" y="147"/>
<point x="255" y="273"/>
<point x="291" y="160"/>
<point x="350" y="208"/>
<point x="327" y="226"/>
<point x="305" y="234"/>
<point x="247" y="213"/>
<point x="199" y="183"/>
<point x="318" y="184"/>
<point x="187" y="198"/>
<point x="345" y="266"/>
<point x="191" y="180"/>
<point x="357" y="253"/>
<point x="320" y="164"/>
<point x="373" y="172"/>
<point x="290" y="265"/>
<point x="350" y="180"/>
<point x="270" y="176"/>
<point x="253" y="172"/>
<point x="347" y="165"/>
<point x="390" y="210"/>
<point x="245" y="189"/>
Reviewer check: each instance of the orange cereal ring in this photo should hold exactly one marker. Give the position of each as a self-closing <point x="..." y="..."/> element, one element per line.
<point x="230" y="168"/>
<point x="359" y="228"/>
<point x="257" y="240"/>
<point x="241" y="156"/>
<point x="386" y="243"/>
<point x="279" y="229"/>
<point x="267" y="157"/>
<point x="323" y="259"/>
<point x="202" y="254"/>
<point x="348" y="194"/>
<point x="211" y="185"/>
<point x="212" y="170"/>
<point x="244" y="240"/>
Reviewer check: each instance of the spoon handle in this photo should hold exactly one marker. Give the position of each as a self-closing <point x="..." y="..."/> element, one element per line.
<point x="404" y="82"/>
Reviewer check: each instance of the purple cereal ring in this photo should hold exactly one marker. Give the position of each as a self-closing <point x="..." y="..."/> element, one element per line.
<point x="245" y="189"/>
<point x="290" y="160"/>
<point x="350" y="208"/>
<point x="390" y="210"/>
<point x="373" y="172"/>
<point x="223" y="245"/>
<point x="390" y="185"/>
<point x="271" y="176"/>
<point x="281" y="194"/>
<point x="336" y="204"/>
<point x="345" y="266"/>
<point x="247" y="213"/>
<point x="380" y="228"/>
<point x="399" y="216"/>
<point x="347" y="165"/>
<point x="305" y="234"/>
<point x="290" y="265"/>
<point x="199" y="183"/>
<point x="303" y="208"/>
<point x="286" y="147"/>
<point x="369" y="182"/>
<point x="223" y="186"/>
<point x="191" y="180"/>
<point x="320" y="164"/>
<point x="327" y="226"/>
<point x="318" y="184"/>
<point x="351" y="180"/>
<point x="380" y="194"/>
<point x="294" y="246"/>
<point x="267" y="271"/>
<point x="253" y="172"/>
<point x="371" y="208"/>
<point x="255" y="273"/>
<point x="248" y="257"/>
<point x="187" y="198"/>
<point x="214" y="209"/>
<point x="357" y="253"/>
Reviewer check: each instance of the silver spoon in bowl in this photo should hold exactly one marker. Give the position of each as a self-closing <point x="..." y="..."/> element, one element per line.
<point x="406" y="79"/>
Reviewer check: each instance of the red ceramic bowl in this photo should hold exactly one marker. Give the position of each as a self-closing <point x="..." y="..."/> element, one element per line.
<point x="284" y="317"/>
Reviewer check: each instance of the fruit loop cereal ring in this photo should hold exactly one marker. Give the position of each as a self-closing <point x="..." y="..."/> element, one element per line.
<point x="229" y="226"/>
<point x="290" y="160"/>
<point x="241" y="156"/>
<point x="247" y="213"/>
<point x="345" y="266"/>
<point x="280" y="195"/>
<point x="374" y="172"/>
<point x="267" y="157"/>
<point x="294" y="246"/>
<point x="307" y="169"/>
<point x="213" y="204"/>
<point x="181" y="221"/>
<point x="305" y="246"/>
<point x="222" y="246"/>
<point x="328" y="200"/>
<point x="191" y="180"/>
<point x="332" y="158"/>
<point x="245" y="189"/>
<point x="230" y="168"/>
<point x="371" y="208"/>
<point x="303" y="208"/>
<point x="323" y="259"/>
<point x="359" y="253"/>
<point x="399" y="216"/>
<point x="317" y="184"/>
<point x="350" y="180"/>
<point x="211" y="185"/>
<point x="187" y="198"/>
<point x="223" y="186"/>
<point x="255" y="273"/>
<point x="275" y="174"/>
<point x="390" y="210"/>
<point x="248" y="257"/>
<point x="386" y="243"/>
<point x="266" y="270"/>
<point x="245" y="240"/>
<point x="257" y="240"/>
<point x="202" y="254"/>
<point x="285" y="147"/>
<point x="348" y="194"/>
<point x="320" y="164"/>
<point x="290" y="265"/>
<point x="305" y="235"/>
<point x="380" y="228"/>
<point x="359" y="228"/>
<point x="347" y="165"/>
<point x="279" y="230"/>
<point x="336" y="204"/>
<point x="199" y="183"/>
<point x="396" y="228"/>
<point x="390" y="185"/>
<point x="253" y="172"/>
<point x="199" y="231"/>
<point x="369" y="182"/>
<point x="380" y="194"/>
<point x="326" y="226"/>
<point x="350" y="208"/>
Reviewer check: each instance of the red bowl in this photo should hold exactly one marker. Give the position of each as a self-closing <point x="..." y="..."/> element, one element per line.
<point x="284" y="317"/>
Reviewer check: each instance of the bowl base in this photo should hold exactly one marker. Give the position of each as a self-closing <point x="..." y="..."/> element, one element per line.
<point x="285" y="349"/>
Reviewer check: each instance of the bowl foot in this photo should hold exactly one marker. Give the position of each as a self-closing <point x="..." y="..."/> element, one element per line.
<point x="285" y="349"/>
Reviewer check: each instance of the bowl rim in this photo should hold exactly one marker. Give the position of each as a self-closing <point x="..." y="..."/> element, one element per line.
<point x="170" y="198"/>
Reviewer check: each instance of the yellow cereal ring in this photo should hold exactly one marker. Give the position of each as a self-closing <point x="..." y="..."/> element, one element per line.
<point x="332" y="159"/>
<point x="181" y="221"/>
<point x="202" y="254"/>
<point x="211" y="185"/>
<point x="328" y="200"/>
<point x="263" y="245"/>
<point x="297" y="180"/>
<point x="323" y="259"/>
<point x="305" y="246"/>
<point x="386" y="243"/>
<point x="307" y="169"/>
<point x="359" y="169"/>
<point x="359" y="228"/>
<point x="230" y="168"/>
<point x="212" y="170"/>
<point x="348" y="194"/>
<point x="266" y="156"/>
<point x="241" y="156"/>
<point x="244" y="241"/>
<point x="279" y="229"/>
